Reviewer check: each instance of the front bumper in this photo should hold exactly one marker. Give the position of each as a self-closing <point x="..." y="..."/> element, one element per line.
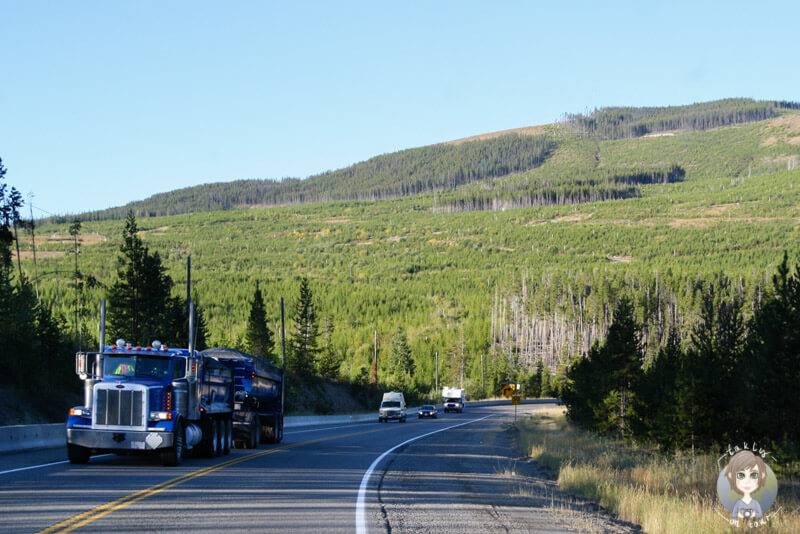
<point x="120" y="440"/>
<point x="392" y="415"/>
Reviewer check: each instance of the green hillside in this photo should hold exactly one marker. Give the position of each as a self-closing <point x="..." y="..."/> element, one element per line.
<point x="459" y="271"/>
<point x="562" y="164"/>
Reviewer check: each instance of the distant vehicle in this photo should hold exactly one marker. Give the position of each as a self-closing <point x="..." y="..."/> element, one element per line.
<point x="454" y="399"/>
<point x="393" y="406"/>
<point x="428" y="411"/>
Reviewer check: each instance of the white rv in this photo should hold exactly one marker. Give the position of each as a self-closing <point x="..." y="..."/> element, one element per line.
<point x="393" y="406"/>
<point x="454" y="399"/>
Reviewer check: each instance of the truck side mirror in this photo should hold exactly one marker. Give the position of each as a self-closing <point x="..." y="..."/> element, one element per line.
<point x="81" y="365"/>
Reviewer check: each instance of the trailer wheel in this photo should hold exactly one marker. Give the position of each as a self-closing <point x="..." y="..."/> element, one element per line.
<point x="278" y="429"/>
<point x="78" y="454"/>
<point x="220" y="425"/>
<point x="210" y="440"/>
<point x="228" y="435"/>
<point x="172" y="457"/>
<point x="253" y="434"/>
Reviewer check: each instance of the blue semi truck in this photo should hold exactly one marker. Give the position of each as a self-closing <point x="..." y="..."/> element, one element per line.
<point x="171" y="401"/>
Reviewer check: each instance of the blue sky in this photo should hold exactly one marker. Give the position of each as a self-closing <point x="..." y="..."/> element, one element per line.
<point x="103" y="103"/>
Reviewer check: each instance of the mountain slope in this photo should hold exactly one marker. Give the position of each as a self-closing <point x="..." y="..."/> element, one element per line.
<point x="561" y="163"/>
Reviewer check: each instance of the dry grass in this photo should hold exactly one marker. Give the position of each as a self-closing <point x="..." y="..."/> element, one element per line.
<point x="663" y="495"/>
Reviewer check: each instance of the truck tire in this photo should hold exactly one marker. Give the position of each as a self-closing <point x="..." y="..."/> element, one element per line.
<point x="253" y="434"/>
<point x="210" y="441"/>
<point x="220" y="436"/>
<point x="172" y="457"/>
<point x="78" y="454"/>
<point x="274" y="433"/>
<point x="228" y="439"/>
<point x="268" y="431"/>
<point x="278" y="428"/>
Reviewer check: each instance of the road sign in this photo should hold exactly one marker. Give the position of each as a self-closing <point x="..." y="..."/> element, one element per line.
<point x="516" y="399"/>
<point x="507" y="390"/>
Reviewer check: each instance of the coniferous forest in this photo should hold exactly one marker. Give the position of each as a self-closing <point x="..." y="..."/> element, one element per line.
<point x="620" y="260"/>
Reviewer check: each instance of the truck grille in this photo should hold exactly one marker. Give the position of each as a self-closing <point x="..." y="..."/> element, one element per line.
<point x="120" y="408"/>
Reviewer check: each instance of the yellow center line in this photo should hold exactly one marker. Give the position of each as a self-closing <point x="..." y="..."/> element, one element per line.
<point x="94" y="514"/>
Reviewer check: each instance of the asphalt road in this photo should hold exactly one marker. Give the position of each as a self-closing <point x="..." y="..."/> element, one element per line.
<point x="368" y="477"/>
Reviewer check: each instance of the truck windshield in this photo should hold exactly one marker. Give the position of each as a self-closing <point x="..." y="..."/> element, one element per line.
<point x="138" y="366"/>
<point x="391" y="404"/>
<point x="453" y="400"/>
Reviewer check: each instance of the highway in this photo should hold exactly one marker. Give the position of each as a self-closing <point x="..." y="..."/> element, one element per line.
<point x="367" y="477"/>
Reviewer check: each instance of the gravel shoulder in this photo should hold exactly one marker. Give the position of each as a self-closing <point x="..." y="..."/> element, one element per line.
<point x="472" y="479"/>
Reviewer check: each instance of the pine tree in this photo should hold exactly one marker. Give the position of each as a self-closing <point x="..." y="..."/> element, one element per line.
<point x="140" y="304"/>
<point x="401" y="361"/>
<point x="329" y="359"/>
<point x="259" y="338"/>
<point x="771" y="366"/>
<point x="657" y="398"/>
<point x="303" y="347"/>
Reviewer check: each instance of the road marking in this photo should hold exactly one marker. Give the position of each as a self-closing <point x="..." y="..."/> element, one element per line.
<point x="361" y="522"/>
<point x="94" y="514"/>
<point x="43" y="465"/>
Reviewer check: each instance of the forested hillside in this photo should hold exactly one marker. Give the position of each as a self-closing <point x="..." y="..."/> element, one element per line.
<point x="554" y="164"/>
<point x="490" y="291"/>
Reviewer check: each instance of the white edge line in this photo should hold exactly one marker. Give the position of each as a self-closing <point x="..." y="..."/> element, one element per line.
<point x="361" y="522"/>
<point x="43" y="465"/>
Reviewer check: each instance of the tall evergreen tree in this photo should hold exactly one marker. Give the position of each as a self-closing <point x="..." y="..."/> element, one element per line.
<point x="401" y="361"/>
<point x="707" y="410"/>
<point x="303" y="343"/>
<point x="771" y="366"/>
<point x="140" y="305"/>
<point x="657" y="397"/>
<point x="329" y="359"/>
<point x="259" y="338"/>
<point x="601" y="388"/>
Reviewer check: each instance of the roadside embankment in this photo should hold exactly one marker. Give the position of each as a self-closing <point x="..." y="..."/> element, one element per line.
<point x="663" y="494"/>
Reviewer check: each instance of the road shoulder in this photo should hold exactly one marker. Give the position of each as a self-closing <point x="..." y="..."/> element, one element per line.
<point x="473" y="479"/>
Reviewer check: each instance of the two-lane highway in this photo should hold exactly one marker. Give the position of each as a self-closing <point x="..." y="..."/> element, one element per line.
<point x="321" y="479"/>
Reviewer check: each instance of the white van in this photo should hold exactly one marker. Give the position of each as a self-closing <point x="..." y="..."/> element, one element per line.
<point x="393" y="406"/>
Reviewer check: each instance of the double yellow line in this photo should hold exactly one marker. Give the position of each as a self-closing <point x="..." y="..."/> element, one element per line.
<point x="101" y="511"/>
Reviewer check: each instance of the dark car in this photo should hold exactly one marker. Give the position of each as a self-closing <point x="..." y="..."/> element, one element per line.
<point x="428" y="411"/>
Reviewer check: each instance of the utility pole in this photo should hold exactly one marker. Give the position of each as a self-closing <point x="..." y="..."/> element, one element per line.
<point x="33" y="246"/>
<point x="437" y="370"/>
<point x="483" y="382"/>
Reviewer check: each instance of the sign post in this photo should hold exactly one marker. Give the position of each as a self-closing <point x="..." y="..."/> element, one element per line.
<point x="516" y="400"/>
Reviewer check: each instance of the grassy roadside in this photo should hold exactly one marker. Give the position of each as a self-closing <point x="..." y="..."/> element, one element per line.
<point x="663" y="495"/>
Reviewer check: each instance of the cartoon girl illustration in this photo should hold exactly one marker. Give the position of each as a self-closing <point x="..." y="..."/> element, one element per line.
<point x="746" y="474"/>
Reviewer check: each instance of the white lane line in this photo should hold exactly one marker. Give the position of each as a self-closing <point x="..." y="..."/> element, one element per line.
<point x="361" y="522"/>
<point x="350" y="425"/>
<point x="32" y="467"/>
<point x="43" y="465"/>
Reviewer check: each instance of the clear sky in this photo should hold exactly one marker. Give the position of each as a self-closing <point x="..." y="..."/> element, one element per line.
<point x="106" y="102"/>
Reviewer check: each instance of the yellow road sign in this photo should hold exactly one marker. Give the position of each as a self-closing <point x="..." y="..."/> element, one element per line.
<point x="516" y="399"/>
<point x="507" y="390"/>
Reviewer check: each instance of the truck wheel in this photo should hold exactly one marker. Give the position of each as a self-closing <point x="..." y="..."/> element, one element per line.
<point x="255" y="432"/>
<point x="227" y="439"/>
<point x="210" y="441"/>
<point x="78" y="454"/>
<point x="220" y="436"/>
<point x="172" y="457"/>
<point x="278" y="429"/>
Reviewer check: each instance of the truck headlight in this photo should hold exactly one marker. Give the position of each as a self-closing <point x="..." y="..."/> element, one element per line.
<point x="161" y="416"/>
<point x="80" y="411"/>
